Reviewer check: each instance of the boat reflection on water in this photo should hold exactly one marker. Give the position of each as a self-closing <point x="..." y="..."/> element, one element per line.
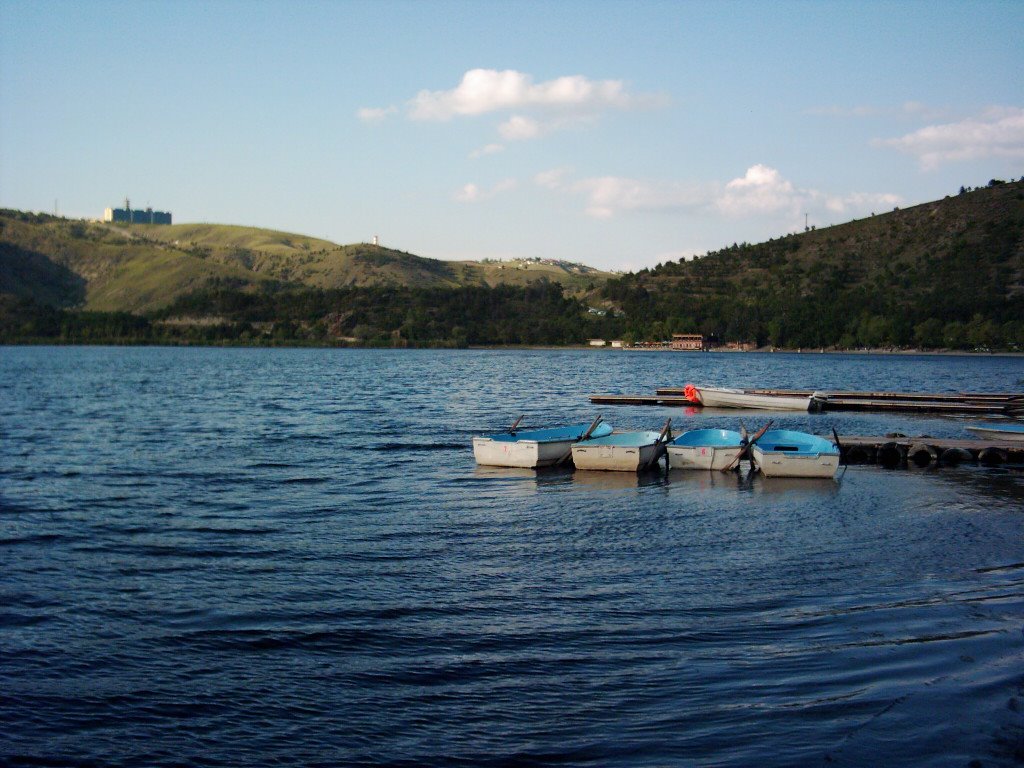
<point x="485" y="472"/>
<point x="749" y="480"/>
<point x="709" y="479"/>
<point x="617" y="481"/>
<point x="796" y="487"/>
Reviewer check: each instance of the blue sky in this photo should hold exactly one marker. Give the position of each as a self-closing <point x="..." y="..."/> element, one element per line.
<point x="617" y="134"/>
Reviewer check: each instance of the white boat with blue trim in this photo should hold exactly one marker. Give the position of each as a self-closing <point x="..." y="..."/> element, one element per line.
<point x="788" y="453"/>
<point x="724" y="397"/>
<point x="711" y="449"/>
<point x="994" y="431"/>
<point x="622" y="451"/>
<point x="536" y="447"/>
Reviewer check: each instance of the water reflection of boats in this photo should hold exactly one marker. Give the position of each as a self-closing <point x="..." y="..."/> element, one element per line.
<point x="796" y="486"/>
<point x="484" y="471"/>
<point x="705" y="481"/>
<point x="617" y="481"/>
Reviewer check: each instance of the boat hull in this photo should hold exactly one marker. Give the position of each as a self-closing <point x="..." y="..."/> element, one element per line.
<point x="704" y="449"/>
<point x="717" y="397"/>
<point x="626" y="452"/>
<point x="701" y="457"/>
<point x="791" y="465"/>
<point x="532" y="448"/>
<point x="787" y="453"/>
<point x="999" y="433"/>
<point x="521" y="453"/>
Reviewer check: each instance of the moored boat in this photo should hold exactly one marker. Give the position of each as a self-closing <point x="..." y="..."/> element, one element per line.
<point x="723" y="397"/>
<point x="536" y="447"/>
<point x="621" y="451"/>
<point x="993" y="431"/>
<point x="788" y="453"/>
<point x="705" y="449"/>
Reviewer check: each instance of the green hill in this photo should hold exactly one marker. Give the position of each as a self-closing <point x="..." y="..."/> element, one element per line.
<point x="64" y="263"/>
<point x="139" y="268"/>
<point x="949" y="273"/>
<point x="945" y="274"/>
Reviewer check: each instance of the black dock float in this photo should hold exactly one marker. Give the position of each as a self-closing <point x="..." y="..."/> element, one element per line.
<point x="673" y="400"/>
<point x="924" y="451"/>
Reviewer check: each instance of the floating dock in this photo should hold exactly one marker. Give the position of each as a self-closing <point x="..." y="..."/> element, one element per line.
<point x="925" y="451"/>
<point x="960" y="403"/>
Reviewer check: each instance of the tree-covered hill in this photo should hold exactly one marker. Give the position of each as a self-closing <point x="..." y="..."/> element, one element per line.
<point x="944" y="274"/>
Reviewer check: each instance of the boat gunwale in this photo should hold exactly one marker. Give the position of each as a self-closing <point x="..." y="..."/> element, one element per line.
<point x="554" y="434"/>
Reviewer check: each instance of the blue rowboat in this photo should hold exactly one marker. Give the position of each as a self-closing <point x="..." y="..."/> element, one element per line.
<point x="705" y="449"/>
<point x="532" y="448"/>
<point x="787" y="453"/>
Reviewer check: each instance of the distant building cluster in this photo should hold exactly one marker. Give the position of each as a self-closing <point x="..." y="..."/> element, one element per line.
<point x="688" y="341"/>
<point x="694" y="342"/>
<point x="129" y="216"/>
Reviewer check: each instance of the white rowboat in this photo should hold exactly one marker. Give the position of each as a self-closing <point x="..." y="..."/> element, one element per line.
<point x="720" y="397"/>
<point x="1014" y="432"/>
<point x="624" y="451"/>
<point x="532" y="448"/>
<point x="705" y="449"/>
<point x="787" y="453"/>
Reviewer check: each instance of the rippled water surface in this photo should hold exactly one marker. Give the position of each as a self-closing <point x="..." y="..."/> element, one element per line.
<point x="260" y="557"/>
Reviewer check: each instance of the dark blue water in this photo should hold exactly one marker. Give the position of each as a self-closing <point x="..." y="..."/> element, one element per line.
<point x="287" y="557"/>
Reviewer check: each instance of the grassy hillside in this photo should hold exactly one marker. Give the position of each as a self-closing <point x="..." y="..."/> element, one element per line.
<point x="322" y="264"/>
<point x="923" y="276"/>
<point x="577" y="278"/>
<point x="66" y="263"/>
<point x="138" y="268"/>
<point x="226" y="236"/>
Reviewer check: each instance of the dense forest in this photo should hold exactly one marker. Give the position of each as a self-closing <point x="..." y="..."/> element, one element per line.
<point x="538" y="314"/>
<point x="942" y="275"/>
<point x="948" y="274"/>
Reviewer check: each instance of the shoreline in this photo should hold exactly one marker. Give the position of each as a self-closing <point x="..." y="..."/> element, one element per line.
<point x="512" y="347"/>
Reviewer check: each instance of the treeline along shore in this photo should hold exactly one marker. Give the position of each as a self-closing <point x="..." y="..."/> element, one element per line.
<point x="942" y="275"/>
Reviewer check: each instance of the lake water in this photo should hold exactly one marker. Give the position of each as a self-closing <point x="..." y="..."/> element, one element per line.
<point x="226" y="557"/>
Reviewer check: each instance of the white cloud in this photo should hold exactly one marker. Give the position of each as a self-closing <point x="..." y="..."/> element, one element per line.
<point x="473" y="193"/>
<point x="552" y="179"/>
<point x="761" y="191"/>
<point x="607" y="196"/>
<point x="908" y="109"/>
<point x="489" y="149"/>
<point x="487" y="90"/>
<point x="375" y="114"/>
<point x="834" y="110"/>
<point x="518" y="128"/>
<point x="861" y="202"/>
<point x="998" y="132"/>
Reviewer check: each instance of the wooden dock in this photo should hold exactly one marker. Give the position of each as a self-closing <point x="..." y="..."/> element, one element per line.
<point x="960" y="403"/>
